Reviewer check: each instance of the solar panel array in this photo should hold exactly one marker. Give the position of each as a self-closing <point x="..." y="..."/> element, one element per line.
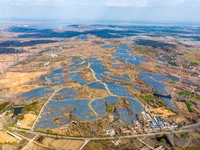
<point x="135" y="106"/>
<point x="123" y="53"/>
<point x="107" y="46"/>
<point x="127" y="76"/>
<point x="112" y="100"/>
<point x="168" y="102"/>
<point x="65" y="100"/>
<point x="118" y="90"/>
<point x="137" y="88"/>
<point x="76" y="76"/>
<point x="56" y="109"/>
<point x="39" y="92"/>
<point x="99" y="106"/>
<point x="98" y="68"/>
<point x="154" y="83"/>
<point x="97" y="85"/>
<point x="56" y="79"/>
<point x="66" y="93"/>
<point x="124" y="116"/>
<point x="116" y="77"/>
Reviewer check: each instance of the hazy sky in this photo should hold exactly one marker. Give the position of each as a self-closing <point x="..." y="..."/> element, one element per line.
<point x="122" y="10"/>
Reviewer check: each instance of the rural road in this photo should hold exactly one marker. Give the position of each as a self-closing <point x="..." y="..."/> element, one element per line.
<point x="104" y="138"/>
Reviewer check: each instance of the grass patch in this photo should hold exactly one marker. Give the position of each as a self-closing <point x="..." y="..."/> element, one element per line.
<point x="158" y="66"/>
<point x="186" y="94"/>
<point x="143" y="50"/>
<point x="172" y="63"/>
<point x="189" y="107"/>
<point x="184" y="135"/>
<point x="197" y="98"/>
<point x="19" y="117"/>
<point x="77" y="57"/>
<point x="193" y="148"/>
<point x="172" y="82"/>
<point x="149" y="97"/>
<point x="31" y="107"/>
<point x="60" y="59"/>
<point x="192" y="56"/>
<point x="3" y="106"/>
<point x="110" y="108"/>
<point x="192" y="60"/>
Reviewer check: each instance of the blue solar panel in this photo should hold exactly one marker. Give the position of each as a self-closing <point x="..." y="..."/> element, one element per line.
<point x="127" y="76"/>
<point x="137" y="88"/>
<point x="99" y="106"/>
<point x="67" y="94"/>
<point x="116" y="78"/>
<point x="159" y="87"/>
<point x="97" y="85"/>
<point x="153" y="80"/>
<point x="75" y="76"/>
<point x="107" y="46"/>
<point x="39" y="92"/>
<point x="118" y="90"/>
<point x="123" y="53"/>
<point x="124" y="116"/>
<point x="112" y="100"/>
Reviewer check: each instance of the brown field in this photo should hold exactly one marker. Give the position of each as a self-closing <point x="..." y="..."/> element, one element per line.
<point x="28" y="120"/>
<point x="33" y="146"/>
<point x="5" y="137"/>
<point x="87" y="74"/>
<point x="87" y="92"/>
<point x="181" y="106"/>
<point x="63" y="144"/>
<point x="164" y="113"/>
<point x="7" y="58"/>
<point x="15" y="80"/>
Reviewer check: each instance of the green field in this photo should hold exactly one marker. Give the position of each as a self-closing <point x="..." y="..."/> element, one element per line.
<point x="188" y="105"/>
<point x="186" y="94"/>
<point x="143" y="50"/>
<point x="172" y="82"/>
<point x="149" y="97"/>
<point x="3" y="106"/>
<point x="191" y="96"/>
<point x="193" y="148"/>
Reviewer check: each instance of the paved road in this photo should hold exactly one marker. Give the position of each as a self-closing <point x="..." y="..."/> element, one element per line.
<point x="104" y="138"/>
<point x="86" y="141"/>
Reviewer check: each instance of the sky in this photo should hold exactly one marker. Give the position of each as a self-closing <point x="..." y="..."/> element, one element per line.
<point x="187" y="11"/>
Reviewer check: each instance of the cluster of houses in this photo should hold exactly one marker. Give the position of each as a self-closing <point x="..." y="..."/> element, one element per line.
<point x="155" y="123"/>
<point x="191" y="88"/>
<point x="158" y="123"/>
<point x="53" y="55"/>
<point x="109" y="132"/>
